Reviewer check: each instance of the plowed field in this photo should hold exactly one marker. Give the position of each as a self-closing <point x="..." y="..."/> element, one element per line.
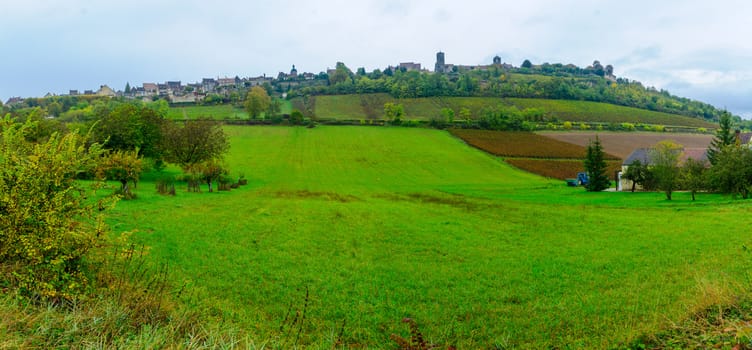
<point x="622" y="144"/>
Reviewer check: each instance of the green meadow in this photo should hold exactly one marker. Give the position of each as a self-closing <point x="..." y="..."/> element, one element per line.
<point x="342" y="232"/>
<point x="220" y="112"/>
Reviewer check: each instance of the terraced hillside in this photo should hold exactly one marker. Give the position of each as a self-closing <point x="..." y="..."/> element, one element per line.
<point x="534" y="153"/>
<point x="622" y="144"/>
<point x="370" y="106"/>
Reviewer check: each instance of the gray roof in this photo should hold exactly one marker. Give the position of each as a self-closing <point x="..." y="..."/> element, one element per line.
<point x="640" y="154"/>
<point x="643" y="155"/>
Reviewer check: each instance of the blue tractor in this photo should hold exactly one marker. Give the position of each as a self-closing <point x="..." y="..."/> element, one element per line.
<point x="581" y="180"/>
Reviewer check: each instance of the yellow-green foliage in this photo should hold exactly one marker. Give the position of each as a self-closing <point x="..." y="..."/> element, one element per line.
<point x="46" y="224"/>
<point x="124" y="167"/>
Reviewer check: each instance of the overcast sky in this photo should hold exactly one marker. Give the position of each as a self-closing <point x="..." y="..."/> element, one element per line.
<point x="697" y="49"/>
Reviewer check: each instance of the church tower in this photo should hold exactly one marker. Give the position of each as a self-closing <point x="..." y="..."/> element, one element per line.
<point x="440" y="65"/>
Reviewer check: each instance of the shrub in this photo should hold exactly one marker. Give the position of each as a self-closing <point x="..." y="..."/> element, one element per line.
<point x="567" y="126"/>
<point x="47" y="226"/>
<point x="166" y="185"/>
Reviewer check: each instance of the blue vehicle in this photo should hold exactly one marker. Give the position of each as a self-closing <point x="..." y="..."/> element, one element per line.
<point x="582" y="179"/>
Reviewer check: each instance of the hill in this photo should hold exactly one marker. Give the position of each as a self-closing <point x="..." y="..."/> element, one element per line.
<point x="371" y="106"/>
<point x="547" y="81"/>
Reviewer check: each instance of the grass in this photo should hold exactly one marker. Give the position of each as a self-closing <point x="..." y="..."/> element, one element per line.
<point x="226" y="111"/>
<point x="357" y="228"/>
<point x="370" y="106"/>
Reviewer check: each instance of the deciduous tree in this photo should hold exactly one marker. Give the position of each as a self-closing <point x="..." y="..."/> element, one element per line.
<point x="394" y="112"/>
<point x="257" y="101"/>
<point x="664" y="163"/>
<point x="193" y="142"/>
<point x="732" y="171"/>
<point x="124" y="167"/>
<point x="637" y="173"/>
<point x="693" y="176"/>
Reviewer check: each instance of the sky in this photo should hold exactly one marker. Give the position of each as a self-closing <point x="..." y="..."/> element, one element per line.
<point x="696" y="49"/>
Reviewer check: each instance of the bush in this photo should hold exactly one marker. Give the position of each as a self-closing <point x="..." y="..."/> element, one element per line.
<point x="47" y="227"/>
<point x="567" y="126"/>
<point x="166" y="185"/>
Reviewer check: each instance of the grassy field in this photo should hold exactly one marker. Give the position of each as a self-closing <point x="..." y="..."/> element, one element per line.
<point x="221" y="112"/>
<point x="212" y="112"/>
<point x="370" y="106"/>
<point x="344" y="231"/>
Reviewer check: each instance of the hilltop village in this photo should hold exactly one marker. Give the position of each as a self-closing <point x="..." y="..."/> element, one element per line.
<point x="225" y="88"/>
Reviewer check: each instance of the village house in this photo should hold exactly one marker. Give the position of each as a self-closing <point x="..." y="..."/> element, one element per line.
<point x="208" y="85"/>
<point x="105" y="90"/>
<point x="151" y="89"/>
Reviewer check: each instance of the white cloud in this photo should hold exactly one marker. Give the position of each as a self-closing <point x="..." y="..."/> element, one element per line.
<point x="53" y="46"/>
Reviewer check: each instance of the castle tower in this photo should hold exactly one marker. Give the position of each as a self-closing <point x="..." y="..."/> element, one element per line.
<point x="440" y="65"/>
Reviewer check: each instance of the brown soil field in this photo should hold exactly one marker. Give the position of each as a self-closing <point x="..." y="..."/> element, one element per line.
<point x="558" y="169"/>
<point x="521" y="144"/>
<point x="622" y="144"/>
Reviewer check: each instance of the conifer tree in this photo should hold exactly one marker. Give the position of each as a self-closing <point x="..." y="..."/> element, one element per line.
<point x="723" y="137"/>
<point x="595" y="166"/>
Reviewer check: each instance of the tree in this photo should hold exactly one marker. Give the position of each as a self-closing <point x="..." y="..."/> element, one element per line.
<point x="129" y="127"/>
<point x="193" y="142"/>
<point x="394" y="112"/>
<point x="465" y="113"/>
<point x="664" y="162"/>
<point x="296" y="117"/>
<point x="208" y="171"/>
<point x="732" y="171"/>
<point x="124" y="167"/>
<point x="638" y="173"/>
<point x="693" y="176"/>
<point x="275" y="107"/>
<point x="127" y="88"/>
<point x="257" y="101"/>
<point x="723" y="136"/>
<point x="47" y="224"/>
<point x="341" y="74"/>
<point x="527" y="64"/>
<point x="595" y="166"/>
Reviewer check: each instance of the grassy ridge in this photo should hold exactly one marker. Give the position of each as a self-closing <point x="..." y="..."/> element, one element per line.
<point x="378" y="224"/>
<point x="370" y="106"/>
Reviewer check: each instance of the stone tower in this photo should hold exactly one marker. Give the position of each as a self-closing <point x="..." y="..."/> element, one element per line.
<point x="440" y="65"/>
